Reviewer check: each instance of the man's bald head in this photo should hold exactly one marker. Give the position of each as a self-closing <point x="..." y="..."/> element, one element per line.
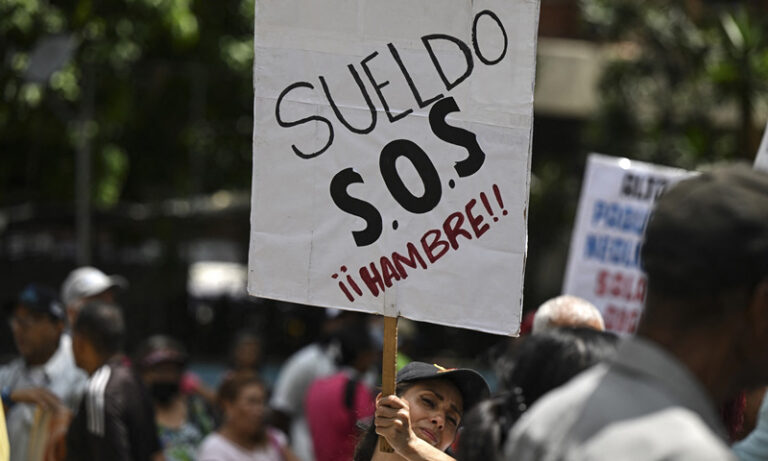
<point x="567" y="311"/>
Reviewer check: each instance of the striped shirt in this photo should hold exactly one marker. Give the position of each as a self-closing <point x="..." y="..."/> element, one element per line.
<point x="115" y="420"/>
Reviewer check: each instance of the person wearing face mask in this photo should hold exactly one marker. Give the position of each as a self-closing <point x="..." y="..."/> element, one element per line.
<point x="183" y="419"/>
<point x="422" y="419"/>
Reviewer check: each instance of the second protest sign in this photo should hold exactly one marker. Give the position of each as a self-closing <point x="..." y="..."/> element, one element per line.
<point x="604" y="265"/>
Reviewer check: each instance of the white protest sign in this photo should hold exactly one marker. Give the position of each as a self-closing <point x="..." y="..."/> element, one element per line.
<point x="604" y="260"/>
<point x="761" y="159"/>
<point x="391" y="159"/>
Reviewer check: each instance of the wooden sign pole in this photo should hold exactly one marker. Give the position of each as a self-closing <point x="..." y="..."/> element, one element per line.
<point x="388" y="368"/>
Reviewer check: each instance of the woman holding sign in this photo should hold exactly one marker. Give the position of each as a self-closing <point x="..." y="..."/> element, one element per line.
<point x="420" y="422"/>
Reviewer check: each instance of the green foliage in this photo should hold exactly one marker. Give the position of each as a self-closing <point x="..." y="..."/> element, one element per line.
<point x="171" y="100"/>
<point x="685" y="82"/>
<point x="682" y="87"/>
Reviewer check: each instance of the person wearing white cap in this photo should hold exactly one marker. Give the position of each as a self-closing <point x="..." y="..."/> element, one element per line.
<point x="83" y="285"/>
<point x="86" y="284"/>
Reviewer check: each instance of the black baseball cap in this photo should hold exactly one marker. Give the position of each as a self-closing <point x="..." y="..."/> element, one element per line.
<point x="709" y="233"/>
<point x="161" y="349"/>
<point x="471" y="384"/>
<point x="41" y="299"/>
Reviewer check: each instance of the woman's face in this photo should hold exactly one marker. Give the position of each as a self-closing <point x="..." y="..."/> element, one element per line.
<point x="436" y="408"/>
<point x="246" y="412"/>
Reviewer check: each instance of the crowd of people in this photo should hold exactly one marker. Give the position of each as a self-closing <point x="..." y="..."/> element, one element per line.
<point x="567" y="390"/>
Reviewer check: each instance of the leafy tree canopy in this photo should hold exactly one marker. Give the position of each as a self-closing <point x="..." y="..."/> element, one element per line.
<point x="161" y="89"/>
<point x="686" y="82"/>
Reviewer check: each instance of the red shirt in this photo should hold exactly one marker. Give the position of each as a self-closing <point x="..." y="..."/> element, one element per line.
<point x="332" y="423"/>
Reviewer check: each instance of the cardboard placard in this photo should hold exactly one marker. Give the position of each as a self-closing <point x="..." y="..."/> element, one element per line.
<point x="604" y="259"/>
<point x="391" y="155"/>
<point x="761" y="159"/>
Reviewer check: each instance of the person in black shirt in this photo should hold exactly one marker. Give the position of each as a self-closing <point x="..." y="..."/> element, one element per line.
<point x="115" y="420"/>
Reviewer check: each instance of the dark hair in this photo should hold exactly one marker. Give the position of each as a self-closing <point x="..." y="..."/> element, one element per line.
<point x="732" y="415"/>
<point x="354" y="340"/>
<point x="487" y="425"/>
<point x="159" y="349"/>
<point x="542" y="362"/>
<point x="548" y="360"/>
<point x="102" y="325"/>
<point x="368" y="442"/>
<point x="233" y="383"/>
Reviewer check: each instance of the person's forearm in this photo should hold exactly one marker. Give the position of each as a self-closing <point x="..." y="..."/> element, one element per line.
<point x="288" y="455"/>
<point x="419" y="450"/>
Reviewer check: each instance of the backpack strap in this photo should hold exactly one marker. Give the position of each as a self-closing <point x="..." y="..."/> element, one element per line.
<point x="350" y="392"/>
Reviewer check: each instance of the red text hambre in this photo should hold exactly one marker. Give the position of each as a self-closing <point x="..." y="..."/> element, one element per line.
<point x="469" y="223"/>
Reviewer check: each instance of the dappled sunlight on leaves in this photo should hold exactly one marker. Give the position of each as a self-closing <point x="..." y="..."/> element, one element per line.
<point x="66" y="82"/>
<point x="168" y="93"/>
<point x="690" y="95"/>
<point x="31" y="94"/>
<point x="113" y="168"/>
<point x="238" y="54"/>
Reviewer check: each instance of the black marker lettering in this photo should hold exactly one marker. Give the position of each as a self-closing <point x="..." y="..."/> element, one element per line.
<point x="422" y="104"/>
<point x="424" y="167"/>
<point x="367" y="98"/>
<point x="357" y="207"/>
<point x="315" y="118"/>
<point x="456" y="136"/>
<point x="464" y="49"/>
<point x="488" y="62"/>
<point x="378" y="86"/>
